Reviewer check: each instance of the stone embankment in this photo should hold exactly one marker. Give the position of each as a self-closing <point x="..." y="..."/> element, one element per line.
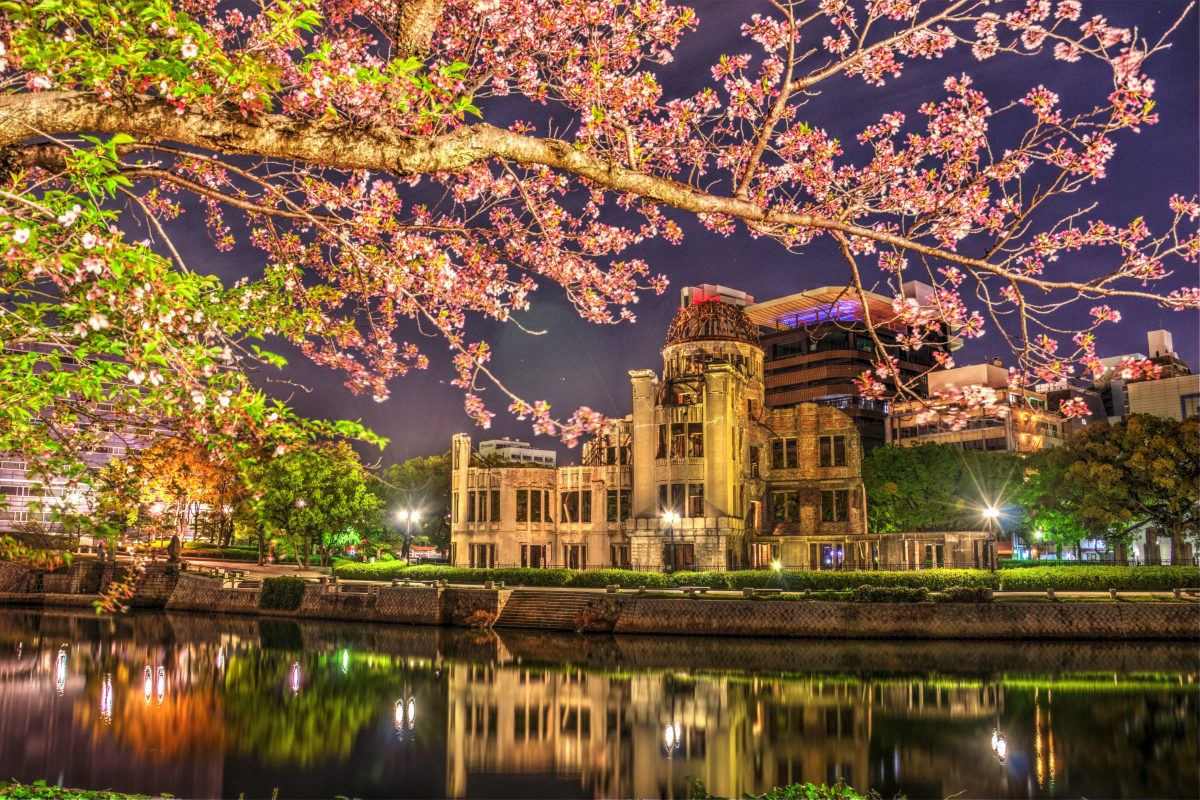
<point x="632" y="614"/>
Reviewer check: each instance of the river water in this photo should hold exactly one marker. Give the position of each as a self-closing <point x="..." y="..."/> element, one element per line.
<point x="210" y="706"/>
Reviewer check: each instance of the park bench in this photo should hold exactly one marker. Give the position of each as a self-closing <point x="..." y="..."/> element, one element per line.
<point x="693" y="590"/>
<point x="249" y="585"/>
<point x="354" y="588"/>
<point x="750" y="591"/>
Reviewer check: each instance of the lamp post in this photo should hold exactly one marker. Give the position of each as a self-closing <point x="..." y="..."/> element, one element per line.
<point x="300" y="504"/>
<point x="408" y="518"/>
<point x="991" y="513"/>
<point x="670" y="518"/>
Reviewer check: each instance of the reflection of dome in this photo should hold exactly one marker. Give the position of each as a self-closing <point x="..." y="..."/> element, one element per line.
<point x="712" y="320"/>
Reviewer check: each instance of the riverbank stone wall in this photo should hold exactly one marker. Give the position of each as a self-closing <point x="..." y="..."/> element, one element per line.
<point x="836" y="620"/>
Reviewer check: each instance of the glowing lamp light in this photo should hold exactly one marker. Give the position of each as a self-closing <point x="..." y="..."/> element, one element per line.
<point x="162" y="684"/>
<point x="669" y="736"/>
<point x="148" y="684"/>
<point x="345" y="661"/>
<point x="999" y="746"/>
<point x="412" y="712"/>
<point x="221" y="658"/>
<point x="1039" y="533"/>
<point x="295" y="677"/>
<point x="60" y="670"/>
<point x="399" y="714"/>
<point x="670" y="517"/>
<point x="991" y="513"/>
<point x="775" y="565"/>
<point x="106" y="699"/>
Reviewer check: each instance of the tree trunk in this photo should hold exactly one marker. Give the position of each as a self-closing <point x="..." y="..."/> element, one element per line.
<point x="261" y="536"/>
<point x="307" y="552"/>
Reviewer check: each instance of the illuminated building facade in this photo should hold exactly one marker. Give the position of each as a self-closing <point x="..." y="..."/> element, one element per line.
<point x="704" y="474"/>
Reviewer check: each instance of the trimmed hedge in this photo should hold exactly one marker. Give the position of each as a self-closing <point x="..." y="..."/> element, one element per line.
<point x="890" y="594"/>
<point x="964" y="594"/>
<point x="1088" y="578"/>
<point x="282" y="594"/>
<point x="1098" y="579"/>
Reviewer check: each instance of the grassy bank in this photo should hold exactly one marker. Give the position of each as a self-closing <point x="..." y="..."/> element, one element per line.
<point x="1087" y="578"/>
<point x="38" y="790"/>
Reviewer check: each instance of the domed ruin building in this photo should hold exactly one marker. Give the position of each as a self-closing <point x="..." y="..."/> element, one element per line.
<point x="752" y="486"/>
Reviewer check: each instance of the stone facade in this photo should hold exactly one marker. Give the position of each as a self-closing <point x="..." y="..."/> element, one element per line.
<point x="751" y="486"/>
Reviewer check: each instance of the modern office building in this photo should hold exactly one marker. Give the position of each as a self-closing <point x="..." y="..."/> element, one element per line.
<point x="512" y="450"/>
<point x="702" y="475"/>
<point x="817" y="342"/>
<point x="1175" y="398"/>
<point x="1019" y="420"/>
<point x="1113" y="388"/>
<point x="27" y="498"/>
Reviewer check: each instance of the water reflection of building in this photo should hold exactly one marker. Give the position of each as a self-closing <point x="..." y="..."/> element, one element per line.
<point x="638" y="736"/>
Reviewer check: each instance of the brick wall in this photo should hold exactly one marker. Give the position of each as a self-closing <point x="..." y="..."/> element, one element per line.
<point x="777" y="618"/>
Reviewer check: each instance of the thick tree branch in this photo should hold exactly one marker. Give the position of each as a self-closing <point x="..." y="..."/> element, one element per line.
<point x="344" y="147"/>
<point x="415" y="25"/>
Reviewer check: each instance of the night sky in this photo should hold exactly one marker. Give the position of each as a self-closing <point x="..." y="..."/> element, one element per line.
<point x="578" y="363"/>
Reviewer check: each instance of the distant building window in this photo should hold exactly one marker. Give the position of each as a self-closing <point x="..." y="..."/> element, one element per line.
<point x="787" y="349"/>
<point x="783" y="453"/>
<point x="835" y="505"/>
<point x="696" y="500"/>
<point x="833" y="451"/>
<point x="1191" y="405"/>
<point x="786" y="506"/>
<point x="753" y="462"/>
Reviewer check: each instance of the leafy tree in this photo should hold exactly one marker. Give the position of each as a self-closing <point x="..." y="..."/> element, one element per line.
<point x="421" y="484"/>
<point x="1142" y="470"/>
<point x="1049" y="516"/>
<point x="317" y="496"/>
<point x="937" y="487"/>
<point x="360" y="101"/>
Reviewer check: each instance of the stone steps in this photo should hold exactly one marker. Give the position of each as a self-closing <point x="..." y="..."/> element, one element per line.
<point x="549" y="611"/>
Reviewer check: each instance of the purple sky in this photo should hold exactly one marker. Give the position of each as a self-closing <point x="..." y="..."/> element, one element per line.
<point x="577" y="363"/>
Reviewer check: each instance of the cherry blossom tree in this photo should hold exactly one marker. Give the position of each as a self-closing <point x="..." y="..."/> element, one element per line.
<point x="330" y="124"/>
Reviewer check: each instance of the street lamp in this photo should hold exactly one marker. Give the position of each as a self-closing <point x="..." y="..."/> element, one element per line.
<point x="408" y="518"/>
<point x="670" y="517"/>
<point x="991" y="513"/>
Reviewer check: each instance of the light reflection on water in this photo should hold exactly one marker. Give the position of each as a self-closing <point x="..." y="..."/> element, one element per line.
<point x="203" y="707"/>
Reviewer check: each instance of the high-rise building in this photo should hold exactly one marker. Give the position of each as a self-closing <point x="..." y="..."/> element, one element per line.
<point x="817" y="342"/>
<point x="1019" y="420"/>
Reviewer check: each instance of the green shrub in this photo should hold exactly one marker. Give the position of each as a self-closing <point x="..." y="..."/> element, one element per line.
<point x="889" y="594"/>
<point x="282" y="594"/>
<point x="1097" y="578"/>
<point x="625" y="578"/>
<point x="964" y="594"/>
